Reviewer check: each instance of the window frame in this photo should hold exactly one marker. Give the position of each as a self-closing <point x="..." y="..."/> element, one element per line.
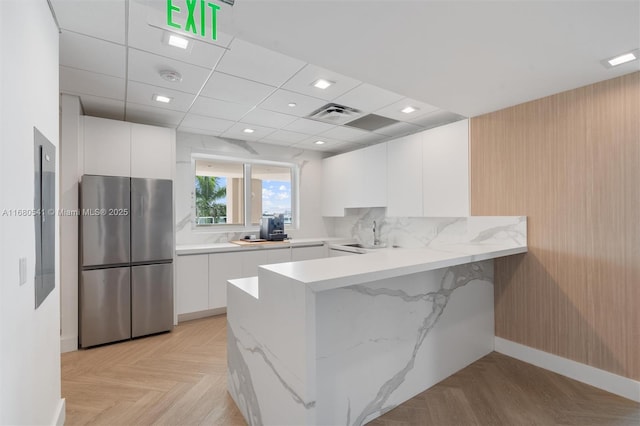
<point x="246" y="165"/>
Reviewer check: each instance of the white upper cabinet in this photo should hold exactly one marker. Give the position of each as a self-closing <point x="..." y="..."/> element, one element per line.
<point x="370" y="177"/>
<point x="355" y="179"/>
<point x="119" y="148"/>
<point x="404" y="181"/>
<point x="445" y="170"/>
<point x="334" y="180"/>
<point x="107" y="147"/>
<point x="152" y="151"/>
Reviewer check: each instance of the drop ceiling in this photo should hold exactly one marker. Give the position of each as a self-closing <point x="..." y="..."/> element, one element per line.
<point x="447" y="59"/>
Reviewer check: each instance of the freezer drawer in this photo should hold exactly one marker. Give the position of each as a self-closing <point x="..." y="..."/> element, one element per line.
<point x="104" y="220"/>
<point x="105" y="306"/>
<point x="151" y="299"/>
<point x="151" y="220"/>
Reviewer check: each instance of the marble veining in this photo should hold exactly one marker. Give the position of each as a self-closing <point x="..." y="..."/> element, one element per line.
<point x="258" y="349"/>
<point x="454" y="278"/>
<point x="240" y="382"/>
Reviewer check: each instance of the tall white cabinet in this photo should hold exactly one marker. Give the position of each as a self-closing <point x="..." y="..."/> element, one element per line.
<point x="404" y="176"/>
<point x="119" y="148"/>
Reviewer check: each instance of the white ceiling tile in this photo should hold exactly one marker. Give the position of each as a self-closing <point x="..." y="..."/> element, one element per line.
<point x="237" y="132"/>
<point x="219" y="109"/>
<point x="146" y="33"/>
<point x="284" y="137"/>
<point x="280" y="99"/>
<point x="102" y="107"/>
<point x="141" y="93"/>
<point x="78" y="51"/>
<point x="303" y="81"/>
<point x="234" y="89"/>
<point x="101" y="19"/>
<point x="437" y="118"/>
<point x="310" y="127"/>
<point x="395" y="110"/>
<point x="187" y="129"/>
<point x="149" y="115"/>
<point x="256" y="63"/>
<point x="399" y="129"/>
<point x="272" y="119"/>
<point x="76" y="81"/>
<point x="330" y="145"/>
<point x="213" y="125"/>
<point x="145" y="67"/>
<point x="346" y="134"/>
<point x="368" y="98"/>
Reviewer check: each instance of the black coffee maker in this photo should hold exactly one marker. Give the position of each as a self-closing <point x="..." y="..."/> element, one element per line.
<point x="272" y="228"/>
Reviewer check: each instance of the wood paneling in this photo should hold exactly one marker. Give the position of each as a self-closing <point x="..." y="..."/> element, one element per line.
<point x="571" y="163"/>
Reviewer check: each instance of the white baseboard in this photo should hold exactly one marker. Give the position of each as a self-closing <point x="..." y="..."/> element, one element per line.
<point x="61" y="413"/>
<point x="619" y="385"/>
<point x="68" y="344"/>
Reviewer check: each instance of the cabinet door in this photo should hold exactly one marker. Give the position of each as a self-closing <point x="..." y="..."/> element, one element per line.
<point x="335" y="176"/>
<point x="152" y="152"/>
<point x="373" y="179"/>
<point x="107" y="147"/>
<point x="251" y="260"/>
<point x="222" y="267"/>
<point x="445" y="164"/>
<point x="308" y="253"/>
<point x="280" y="255"/>
<point x="404" y="176"/>
<point x="193" y="283"/>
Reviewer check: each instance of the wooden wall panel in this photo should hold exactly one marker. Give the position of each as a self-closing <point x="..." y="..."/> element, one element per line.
<point x="571" y="163"/>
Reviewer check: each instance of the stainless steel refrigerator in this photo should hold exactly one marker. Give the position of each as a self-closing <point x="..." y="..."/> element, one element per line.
<point x="126" y="255"/>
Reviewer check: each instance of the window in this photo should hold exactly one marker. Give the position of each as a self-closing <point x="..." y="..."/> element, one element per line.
<point x="230" y="192"/>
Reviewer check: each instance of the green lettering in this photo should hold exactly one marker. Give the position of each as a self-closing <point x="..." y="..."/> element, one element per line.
<point x="214" y="22"/>
<point x="170" y="9"/>
<point x="202" y="18"/>
<point x="191" y="20"/>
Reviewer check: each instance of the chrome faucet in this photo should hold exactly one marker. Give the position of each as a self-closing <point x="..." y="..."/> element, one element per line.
<point x="376" y="241"/>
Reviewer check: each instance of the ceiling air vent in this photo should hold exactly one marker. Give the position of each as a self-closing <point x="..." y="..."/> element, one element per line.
<point x="372" y="122"/>
<point x="334" y="114"/>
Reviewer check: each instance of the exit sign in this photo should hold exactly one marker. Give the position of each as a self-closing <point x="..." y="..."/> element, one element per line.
<point x="196" y="16"/>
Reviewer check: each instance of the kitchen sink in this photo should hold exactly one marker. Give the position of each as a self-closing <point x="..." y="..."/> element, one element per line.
<point x="358" y="245"/>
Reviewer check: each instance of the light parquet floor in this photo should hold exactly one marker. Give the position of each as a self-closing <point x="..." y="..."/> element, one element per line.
<point x="179" y="378"/>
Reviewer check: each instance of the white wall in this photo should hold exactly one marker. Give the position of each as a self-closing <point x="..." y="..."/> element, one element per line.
<point x="30" y="363"/>
<point x="310" y="162"/>
<point x="71" y="169"/>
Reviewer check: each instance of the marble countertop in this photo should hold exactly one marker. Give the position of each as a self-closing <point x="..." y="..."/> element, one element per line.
<point x="336" y="272"/>
<point x="187" y="249"/>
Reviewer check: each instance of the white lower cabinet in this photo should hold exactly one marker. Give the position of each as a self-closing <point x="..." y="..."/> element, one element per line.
<point x="222" y="267"/>
<point x="308" y="253"/>
<point x="201" y="280"/>
<point x="192" y="283"/>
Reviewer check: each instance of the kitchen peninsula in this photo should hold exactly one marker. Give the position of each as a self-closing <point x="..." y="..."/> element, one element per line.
<point x="343" y="340"/>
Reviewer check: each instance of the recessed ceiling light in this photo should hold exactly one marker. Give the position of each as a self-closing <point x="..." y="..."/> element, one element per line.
<point x="322" y="83"/>
<point x="622" y="59"/>
<point x="162" y="98"/>
<point x="178" y="41"/>
<point x="248" y="130"/>
<point x="171" y="76"/>
<point x="292" y="104"/>
<point x="409" y="109"/>
<point x="319" y="142"/>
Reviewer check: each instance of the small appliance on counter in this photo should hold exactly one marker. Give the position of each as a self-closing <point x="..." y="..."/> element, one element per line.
<point x="272" y="228"/>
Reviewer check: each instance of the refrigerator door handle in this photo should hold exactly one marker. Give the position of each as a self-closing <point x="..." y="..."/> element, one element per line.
<point x="141" y="209"/>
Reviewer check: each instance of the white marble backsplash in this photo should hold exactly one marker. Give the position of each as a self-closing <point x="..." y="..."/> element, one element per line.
<point x="434" y="232"/>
